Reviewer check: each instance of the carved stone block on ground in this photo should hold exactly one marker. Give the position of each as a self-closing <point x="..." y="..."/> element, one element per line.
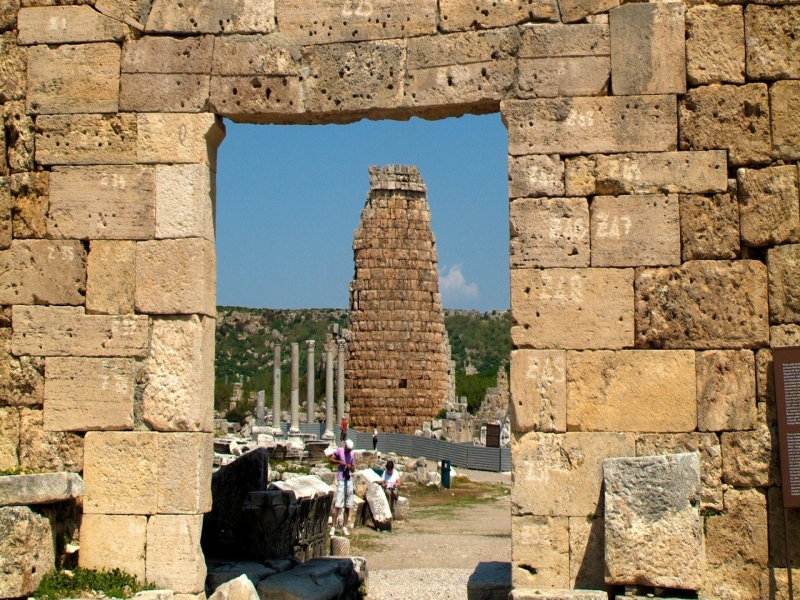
<point x="549" y="232"/>
<point x="459" y="15"/>
<point x="42" y="451"/>
<point x="21" y="378"/>
<point x="726" y="390"/>
<point x="703" y="305"/>
<point x="784" y="283"/>
<point x="784" y="101"/>
<point x="178" y="395"/>
<point x="241" y="588"/>
<point x="706" y="444"/>
<point x="26" y="551"/>
<point x="710" y="226"/>
<point x="544" y="562"/>
<point x="587" y="552"/>
<point x="110" y="277"/>
<point x="653" y="530"/>
<point x="535" y="175"/>
<point x="715" y="44"/>
<point x="66" y="25"/>
<point x="562" y="474"/>
<point x="185" y="461"/>
<point x="379" y="507"/>
<point x="30" y="204"/>
<point x="572" y="308"/>
<point x="538" y="391"/>
<point x="43" y="272"/>
<point x="179" y="567"/>
<point x="631" y="390"/>
<point x="772" y="43"/>
<point x="731" y="117"/>
<point x="73" y="79"/>
<point x="647" y="48"/>
<point x="207" y="16"/>
<point x="629" y="231"/>
<point x="184" y="202"/>
<point x="121" y="473"/>
<point x="82" y="394"/>
<point x="769" y="205"/>
<point x="114" y="542"/>
<point x="85" y="139"/>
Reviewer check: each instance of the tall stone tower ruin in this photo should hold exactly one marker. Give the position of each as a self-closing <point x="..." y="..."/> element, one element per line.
<point x="396" y="375"/>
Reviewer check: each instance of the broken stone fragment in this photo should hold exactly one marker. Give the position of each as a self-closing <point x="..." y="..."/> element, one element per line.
<point x="26" y="551"/>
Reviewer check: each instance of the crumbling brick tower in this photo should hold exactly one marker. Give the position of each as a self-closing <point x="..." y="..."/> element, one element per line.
<point x="396" y="375"/>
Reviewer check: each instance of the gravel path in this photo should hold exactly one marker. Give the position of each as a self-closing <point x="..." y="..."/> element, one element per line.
<point x="409" y="584"/>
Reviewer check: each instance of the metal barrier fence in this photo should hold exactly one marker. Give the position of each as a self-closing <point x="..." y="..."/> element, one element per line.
<point x="464" y="455"/>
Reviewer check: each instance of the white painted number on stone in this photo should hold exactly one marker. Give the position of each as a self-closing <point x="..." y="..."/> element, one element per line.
<point x="113" y="180"/>
<point x="561" y="287"/>
<point x="613" y="226"/>
<point x="359" y="8"/>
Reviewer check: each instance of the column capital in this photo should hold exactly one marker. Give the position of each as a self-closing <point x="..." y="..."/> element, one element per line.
<point x="310" y="344"/>
<point x="341" y="343"/>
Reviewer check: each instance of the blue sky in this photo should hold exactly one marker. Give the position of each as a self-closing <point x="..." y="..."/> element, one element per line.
<point x="289" y="198"/>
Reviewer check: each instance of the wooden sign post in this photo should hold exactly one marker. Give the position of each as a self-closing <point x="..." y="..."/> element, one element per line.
<point x="787" y="398"/>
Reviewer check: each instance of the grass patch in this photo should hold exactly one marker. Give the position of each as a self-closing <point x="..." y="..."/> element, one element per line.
<point x="462" y="492"/>
<point x="73" y="584"/>
<point x="363" y="539"/>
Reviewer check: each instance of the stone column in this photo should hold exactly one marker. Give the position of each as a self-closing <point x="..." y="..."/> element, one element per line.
<point x="328" y="435"/>
<point x="340" y="382"/>
<point x="295" y="426"/>
<point x="310" y="382"/>
<point x="276" y="388"/>
<point x="261" y="409"/>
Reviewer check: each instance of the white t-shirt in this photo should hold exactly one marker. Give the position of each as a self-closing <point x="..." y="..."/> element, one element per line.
<point x="391" y="479"/>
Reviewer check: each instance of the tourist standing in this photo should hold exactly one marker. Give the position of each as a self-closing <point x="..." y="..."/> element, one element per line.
<point x="344" y="428"/>
<point x="345" y="460"/>
<point x="374" y="438"/>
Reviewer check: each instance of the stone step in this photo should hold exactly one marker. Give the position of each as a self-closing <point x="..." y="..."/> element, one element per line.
<point x="43" y="488"/>
<point x="545" y="594"/>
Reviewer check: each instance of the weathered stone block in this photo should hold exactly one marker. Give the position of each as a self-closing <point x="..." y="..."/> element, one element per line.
<point x="176" y="277"/>
<point x="26" y="551"/>
<point x="653" y="532"/>
<point x="769" y="205"/>
<point x="30" y="204"/>
<point x="562" y="474"/>
<point x="784" y="335"/>
<point x="261" y="97"/>
<point x="750" y="458"/>
<point x="152" y="92"/>
<point x="736" y="546"/>
<point x="572" y="308"/>
<point x="335" y="21"/>
<point x="121" y="473"/>
<point x="580" y="174"/>
<point x="86" y="139"/>
<point x="702" y="304"/>
<point x="460" y="15"/>
<point x="5" y="217"/>
<point x="248" y="55"/>
<point x="81" y="394"/>
<point x="784" y="283"/>
<point x="587" y="552"/>
<point x="731" y="117"/>
<point x="102" y="203"/>
<point x="19" y="137"/>
<point x="179" y="394"/>
<point x="544" y="563"/>
<point x="66" y="331"/>
<point x="631" y="390"/>
<point x="710" y="226"/>
<point x="715" y="44"/>
<point x="557" y="40"/>
<point x="726" y="390"/>
<point x="43" y="451"/>
<point x="586" y="125"/>
<point x="577" y="10"/>
<point x="460" y="68"/>
<point x="159" y="54"/>
<point x="21" y="381"/>
<point x="110" y="277"/>
<point x="184" y="202"/>
<point x="765" y="377"/>
<point x="114" y="542"/>
<point x="73" y="79"/>
<point x="535" y="175"/>
<point x="13" y="68"/>
<point x="772" y="43"/>
<point x="9" y="438"/>
<point x="784" y="100"/>
<point x="178" y="138"/>
<point x="648" y="48"/>
<point x="185" y="461"/>
<point x="41" y="488"/>
<point x="706" y="444"/>
<point x="65" y="25"/>
<point x="8" y="14"/>
<point x="779" y="582"/>
<point x="373" y="77"/>
<point x="208" y="16"/>
<point x="43" y="272"/>
<point x="538" y="391"/>
<point x="177" y="567"/>
<point x="629" y="231"/>
<point x="549" y="232"/>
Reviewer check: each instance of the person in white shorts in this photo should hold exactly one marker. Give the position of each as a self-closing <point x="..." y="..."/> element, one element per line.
<point x="345" y="459"/>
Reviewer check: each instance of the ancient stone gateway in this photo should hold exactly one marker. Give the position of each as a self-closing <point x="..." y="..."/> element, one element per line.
<point x="397" y="370"/>
<point x="653" y="181"/>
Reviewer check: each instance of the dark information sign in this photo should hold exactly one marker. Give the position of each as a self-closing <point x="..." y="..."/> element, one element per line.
<point x="787" y="397"/>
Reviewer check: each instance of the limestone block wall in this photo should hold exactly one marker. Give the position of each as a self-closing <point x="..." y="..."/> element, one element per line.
<point x="653" y="153"/>
<point x="396" y="375"/>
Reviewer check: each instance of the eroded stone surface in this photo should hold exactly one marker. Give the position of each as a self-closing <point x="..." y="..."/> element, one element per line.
<point x="562" y="474"/>
<point x="783" y="263"/>
<point x="21" y="378"/>
<point x="680" y="307"/>
<point x="114" y="542"/>
<point x="538" y="391"/>
<point x="772" y="43"/>
<point x="715" y="44"/>
<point x="185" y="461"/>
<point x="173" y="92"/>
<point x="784" y="335"/>
<point x="535" y="175"/>
<point x="65" y="25"/>
<point x="572" y="308"/>
<point x="653" y="530"/>
<point x="207" y="16"/>
<point x="42" y="488"/>
<point x="769" y="205"/>
<point x="42" y="451"/>
<point x="43" y="272"/>
<point x="549" y="232"/>
<point x="178" y="138"/>
<point x="9" y="438"/>
<point x="26" y="550"/>
<point x="576" y="10"/>
<point x="750" y="458"/>
<point x="545" y="563"/>
<point x="110" y="277"/>
<point x="30" y="204"/>
<point x="13" y="68"/>
<point x="19" y="137"/>
<point x="184" y="202"/>
<point x="726" y="390"/>
<point x="710" y="226"/>
<point x="458" y="15"/>
<point x="172" y="566"/>
<point x="86" y="139"/>
<point x="161" y="54"/>
<point x="784" y="100"/>
<point x="587" y="552"/>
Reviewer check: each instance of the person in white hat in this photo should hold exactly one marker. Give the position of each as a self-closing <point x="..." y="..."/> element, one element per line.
<point x="345" y="459"/>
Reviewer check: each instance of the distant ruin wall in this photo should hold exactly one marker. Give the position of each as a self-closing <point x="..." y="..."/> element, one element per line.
<point x="397" y="372"/>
